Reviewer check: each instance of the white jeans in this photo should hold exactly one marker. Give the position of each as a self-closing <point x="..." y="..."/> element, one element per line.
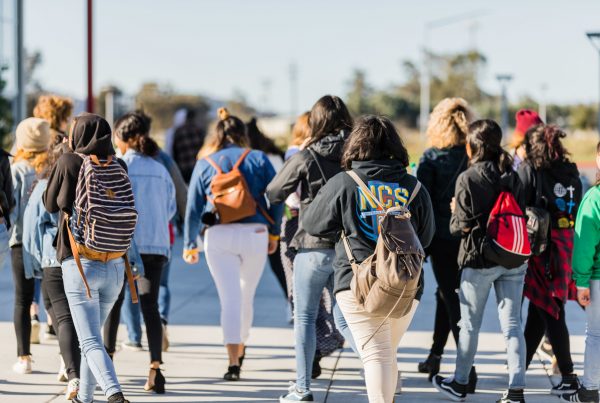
<point x="236" y="255"/>
<point x="379" y="354"/>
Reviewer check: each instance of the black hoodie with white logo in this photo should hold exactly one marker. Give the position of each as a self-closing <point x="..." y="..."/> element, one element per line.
<point x="91" y="135"/>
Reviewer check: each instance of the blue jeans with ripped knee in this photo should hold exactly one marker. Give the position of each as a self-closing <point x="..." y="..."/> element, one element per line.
<point x="475" y="286"/>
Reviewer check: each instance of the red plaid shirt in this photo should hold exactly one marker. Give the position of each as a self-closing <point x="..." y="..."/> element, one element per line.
<point x="549" y="276"/>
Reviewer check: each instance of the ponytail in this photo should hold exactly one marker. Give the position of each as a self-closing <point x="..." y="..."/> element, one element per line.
<point x="134" y="129"/>
<point x="228" y="130"/>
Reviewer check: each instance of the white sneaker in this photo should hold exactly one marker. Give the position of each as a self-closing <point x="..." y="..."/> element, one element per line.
<point x="62" y="372"/>
<point x="22" y="366"/>
<point x="72" y="389"/>
<point x="35" y="331"/>
<point x="399" y="384"/>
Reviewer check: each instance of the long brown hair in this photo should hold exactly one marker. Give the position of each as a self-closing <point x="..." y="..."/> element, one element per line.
<point x="37" y="159"/>
<point x="301" y="129"/>
<point x="485" y="140"/>
<point x="543" y="145"/>
<point x="229" y="129"/>
<point x="329" y="115"/>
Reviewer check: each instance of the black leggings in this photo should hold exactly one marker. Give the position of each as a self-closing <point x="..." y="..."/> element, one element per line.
<point x="443" y="254"/>
<point x="57" y="306"/>
<point x="148" y="288"/>
<point x="111" y="326"/>
<point x="24" y="290"/>
<point x="277" y="268"/>
<point x="540" y="322"/>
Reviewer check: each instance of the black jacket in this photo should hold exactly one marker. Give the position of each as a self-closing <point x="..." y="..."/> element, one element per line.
<point x="92" y="135"/>
<point x="438" y="171"/>
<point x="7" y="201"/>
<point x="301" y="169"/>
<point x="561" y="191"/>
<point x="339" y="207"/>
<point x="477" y="190"/>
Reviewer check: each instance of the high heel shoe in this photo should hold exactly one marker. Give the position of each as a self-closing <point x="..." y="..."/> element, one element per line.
<point x="241" y="358"/>
<point x="472" y="381"/>
<point x="430" y="366"/>
<point x="159" y="382"/>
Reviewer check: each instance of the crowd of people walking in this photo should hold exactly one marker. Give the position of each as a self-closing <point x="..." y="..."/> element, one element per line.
<point x="90" y="213"/>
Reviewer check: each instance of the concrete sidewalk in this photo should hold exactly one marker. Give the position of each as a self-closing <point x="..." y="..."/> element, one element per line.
<point x="196" y="360"/>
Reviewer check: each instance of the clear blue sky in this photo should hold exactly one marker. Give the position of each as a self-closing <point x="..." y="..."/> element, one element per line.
<point x="216" y="47"/>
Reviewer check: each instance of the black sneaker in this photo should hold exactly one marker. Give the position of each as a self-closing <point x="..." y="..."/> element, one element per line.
<point x="569" y="384"/>
<point x="512" y="396"/>
<point x="450" y="388"/>
<point x="472" y="381"/>
<point x="583" y="395"/>
<point x="316" y="369"/>
<point x="430" y="366"/>
<point x="233" y="373"/>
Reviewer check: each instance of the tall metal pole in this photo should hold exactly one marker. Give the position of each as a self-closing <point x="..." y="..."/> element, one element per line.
<point x="20" y="62"/>
<point x="90" y="57"/>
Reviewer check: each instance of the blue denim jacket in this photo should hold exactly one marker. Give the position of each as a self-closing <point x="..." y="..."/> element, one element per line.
<point x="39" y="231"/>
<point x="257" y="171"/>
<point x="154" y="194"/>
<point x="23" y="178"/>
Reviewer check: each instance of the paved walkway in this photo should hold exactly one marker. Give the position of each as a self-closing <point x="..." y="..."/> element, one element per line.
<point x="196" y="360"/>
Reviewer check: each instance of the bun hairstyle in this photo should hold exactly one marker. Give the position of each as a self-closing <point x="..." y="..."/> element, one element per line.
<point x="449" y="123"/>
<point x="543" y="145"/>
<point x="229" y="129"/>
<point x="134" y="129"/>
<point x="485" y="140"/>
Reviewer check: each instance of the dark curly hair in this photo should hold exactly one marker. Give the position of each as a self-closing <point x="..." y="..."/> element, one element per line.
<point x="485" y="140"/>
<point x="374" y="138"/>
<point x="134" y="128"/>
<point x="543" y="145"/>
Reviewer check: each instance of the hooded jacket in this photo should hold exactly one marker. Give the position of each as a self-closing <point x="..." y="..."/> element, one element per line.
<point x="90" y="135"/>
<point x="7" y="202"/>
<point x="341" y="206"/>
<point x="438" y="172"/>
<point x="477" y="190"/>
<point x="302" y="169"/>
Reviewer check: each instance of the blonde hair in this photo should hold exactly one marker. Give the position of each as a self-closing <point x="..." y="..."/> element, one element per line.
<point x="449" y="123"/>
<point x="301" y="129"/>
<point x="53" y="109"/>
<point x="228" y="129"/>
<point x="37" y="160"/>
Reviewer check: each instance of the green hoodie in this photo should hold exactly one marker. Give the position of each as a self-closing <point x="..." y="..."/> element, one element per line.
<point x="586" y="251"/>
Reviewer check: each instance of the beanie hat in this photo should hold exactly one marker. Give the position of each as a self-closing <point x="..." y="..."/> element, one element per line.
<point x="33" y="135"/>
<point x="525" y="119"/>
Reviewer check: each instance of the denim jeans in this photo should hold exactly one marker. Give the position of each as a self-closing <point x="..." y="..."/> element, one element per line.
<point x="164" y="295"/>
<point x="475" y="285"/>
<point x="591" y="372"/>
<point x="89" y="314"/>
<point x="342" y="327"/>
<point x="132" y="316"/>
<point x="313" y="271"/>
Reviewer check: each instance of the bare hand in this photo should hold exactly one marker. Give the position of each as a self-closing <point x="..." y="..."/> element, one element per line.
<point x="453" y="205"/>
<point x="583" y="296"/>
<point x="273" y="243"/>
<point x="191" y="257"/>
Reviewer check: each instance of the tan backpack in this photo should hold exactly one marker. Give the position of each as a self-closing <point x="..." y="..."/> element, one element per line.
<point x="230" y="194"/>
<point x="386" y="283"/>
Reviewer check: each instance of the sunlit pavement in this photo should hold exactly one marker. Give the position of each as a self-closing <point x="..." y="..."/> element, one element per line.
<point x="196" y="360"/>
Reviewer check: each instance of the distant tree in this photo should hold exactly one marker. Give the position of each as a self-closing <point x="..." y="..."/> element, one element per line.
<point x="583" y="116"/>
<point x="6" y="118"/>
<point x="358" y="98"/>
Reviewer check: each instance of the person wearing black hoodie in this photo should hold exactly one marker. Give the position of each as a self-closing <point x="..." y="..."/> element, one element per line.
<point x="89" y="135"/>
<point x="311" y="168"/>
<point x="438" y="170"/>
<point x="374" y="151"/>
<point x="551" y="182"/>
<point x="477" y="189"/>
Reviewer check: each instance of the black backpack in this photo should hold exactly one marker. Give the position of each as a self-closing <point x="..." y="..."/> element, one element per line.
<point x="538" y="220"/>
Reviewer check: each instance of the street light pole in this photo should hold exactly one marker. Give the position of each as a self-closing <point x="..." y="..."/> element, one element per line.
<point x="594" y="38"/>
<point x="20" y="62"/>
<point x="504" y="80"/>
<point x="90" y="56"/>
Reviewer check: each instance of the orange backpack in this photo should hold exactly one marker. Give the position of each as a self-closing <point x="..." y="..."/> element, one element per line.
<point x="230" y="194"/>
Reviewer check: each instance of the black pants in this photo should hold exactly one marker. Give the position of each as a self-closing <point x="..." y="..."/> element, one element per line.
<point x="277" y="268"/>
<point x="24" y="290"/>
<point x="443" y="254"/>
<point x="540" y="322"/>
<point x="57" y="306"/>
<point x="111" y="326"/>
<point x="148" y="288"/>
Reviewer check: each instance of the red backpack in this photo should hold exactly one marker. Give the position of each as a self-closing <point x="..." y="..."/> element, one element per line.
<point x="507" y="243"/>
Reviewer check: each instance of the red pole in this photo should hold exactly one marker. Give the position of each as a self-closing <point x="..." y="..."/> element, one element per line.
<point x="90" y="58"/>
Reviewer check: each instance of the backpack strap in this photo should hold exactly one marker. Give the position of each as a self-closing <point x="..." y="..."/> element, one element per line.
<point x="77" y="258"/>
<point x="130" y="279"/>
<point x="214" y="165"/>
<point x="95" y="160"/>
<point x="241" y="159"/>
<point x="365" y="189"/>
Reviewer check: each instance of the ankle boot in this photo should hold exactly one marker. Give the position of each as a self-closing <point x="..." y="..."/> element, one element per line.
<point x="472" y="381"/>
<point x="431" y="366"/>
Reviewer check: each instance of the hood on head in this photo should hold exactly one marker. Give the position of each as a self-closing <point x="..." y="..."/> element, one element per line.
<point x="91" y="134"/>
<point x="331" y="146"/>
